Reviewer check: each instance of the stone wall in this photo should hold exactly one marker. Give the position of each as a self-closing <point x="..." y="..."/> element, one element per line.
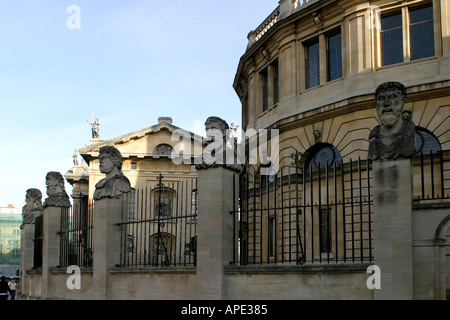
<point x="298" y="282"/>
<point x="215" y="278"/>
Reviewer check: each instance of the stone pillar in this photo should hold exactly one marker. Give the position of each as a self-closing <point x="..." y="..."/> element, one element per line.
<point x="106" y="237"/>
<point x="392" y="228"/>
<point x="26" y="256"/>
<point x="214" y="230"/>
<point x="50" y="246"/>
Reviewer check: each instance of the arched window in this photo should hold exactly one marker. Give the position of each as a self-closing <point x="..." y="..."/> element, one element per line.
<point x="163" y="149"/>
<point x="322" y="155"/>
<point x="162" y="249"/>
<point x="426" y="142"/>
<point x="163" y="198"/>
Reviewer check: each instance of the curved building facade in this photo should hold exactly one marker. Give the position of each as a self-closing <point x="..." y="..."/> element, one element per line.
<point x="311" y="68"/>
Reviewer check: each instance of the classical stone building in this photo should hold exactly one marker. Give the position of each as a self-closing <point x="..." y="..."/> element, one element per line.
<point x="146" y="154"/>
<point x="159" y="163"/>
<point x="311" y="69"/>
<point x="310" y="72"/>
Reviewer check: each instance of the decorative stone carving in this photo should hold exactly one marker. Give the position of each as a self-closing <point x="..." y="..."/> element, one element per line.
<point x="318" y="20"/>
<point x="396" y="136"/>
<point x="317" y="135"/>
<point x="33" y="206"/>
<point x="406" y="115"/>
<point x="115" y="183"/>
<point x="57" y="196"/>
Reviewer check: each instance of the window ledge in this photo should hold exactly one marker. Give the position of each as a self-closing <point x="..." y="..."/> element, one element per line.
<point x="63" y="270"/>
<point x="322" y="85"/>
<point x="159" y="270"/>
<point x="406" y="63"/>
<point x="262" y="114"/>
<point x="323" y="268"/>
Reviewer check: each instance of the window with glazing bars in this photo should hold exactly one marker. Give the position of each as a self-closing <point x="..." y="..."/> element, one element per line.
<point x="421" y="31"/>
<point x="265" y="89"/>
<point x="312" y="64"/>
<point x="334" y="55"/>
<point x="275" y="82"/>
<point x="391" y="38"/>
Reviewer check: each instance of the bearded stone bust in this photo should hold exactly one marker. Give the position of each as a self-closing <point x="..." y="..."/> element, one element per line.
<point x="115" y="183"/>
<point x="396" y="136"/>
<point x="57" y="196"/>
<point x="33" y="206"/>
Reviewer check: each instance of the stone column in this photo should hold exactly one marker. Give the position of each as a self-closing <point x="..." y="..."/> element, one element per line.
<point x="26" y="256"/>
<point x="109" y="206"/>
<point x="50" y="246"/>
<point x="392" y="228"/>
<point x="214" y="230"/>
<point x="55" y="205"/>
<point x="30" y="211"/>
<point x="106" y="237"/>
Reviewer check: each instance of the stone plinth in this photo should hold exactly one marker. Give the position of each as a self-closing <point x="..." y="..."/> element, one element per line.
<point x="107" y="214"/>
<point x="392" y="228"/>
<point x="50" y="246"/>
<point x="214" y="231"/>
<point x="26" y="255"/>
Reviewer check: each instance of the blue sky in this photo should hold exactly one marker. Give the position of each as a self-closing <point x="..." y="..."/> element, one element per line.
<point x="131" y="61"/>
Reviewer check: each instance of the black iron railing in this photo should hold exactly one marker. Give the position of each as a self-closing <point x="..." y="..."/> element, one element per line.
<point x="76" y="235"/>
<point x="432" y="176"/>
<point x="38" y="241"/>
<point x="320" y="214"/>
<point x="306" y="215"/>
<point x="160" y="226"/>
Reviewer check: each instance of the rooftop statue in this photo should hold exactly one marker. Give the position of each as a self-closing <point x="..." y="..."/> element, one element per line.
<point x="95" y="128"/>
<point x="33" y="206"/>
<point x="75" y="159"/>
<point x="396" y="136"/>
<point x="57" y="195"/>
<point x="115" y="183"/>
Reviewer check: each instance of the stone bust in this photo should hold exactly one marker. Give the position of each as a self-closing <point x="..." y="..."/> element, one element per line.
<point x="216" y="141"/>
<point x="33" y="206"/>
<point x="115" y="183"/>
<point x="216" y="123"/>
<point x="396" y="136"/>
<point x="220" y="144"/>
<point x="57" y="196"/>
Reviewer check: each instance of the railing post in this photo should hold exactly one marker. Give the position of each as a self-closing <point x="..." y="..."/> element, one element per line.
<point x="214" y="230"/>
<point x="106" y="237"/>
<point x="392" y="228"/>
<point x="50" y="247"/>
<point x="32" y="209"/>
<point x="391" y="148"/>
<point x="216" y="200"/>
<point x="54" y="205"/>
<point x="110" y="206"/>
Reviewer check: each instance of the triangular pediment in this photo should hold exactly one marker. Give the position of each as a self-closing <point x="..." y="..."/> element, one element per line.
<point x="142" y="143"/>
